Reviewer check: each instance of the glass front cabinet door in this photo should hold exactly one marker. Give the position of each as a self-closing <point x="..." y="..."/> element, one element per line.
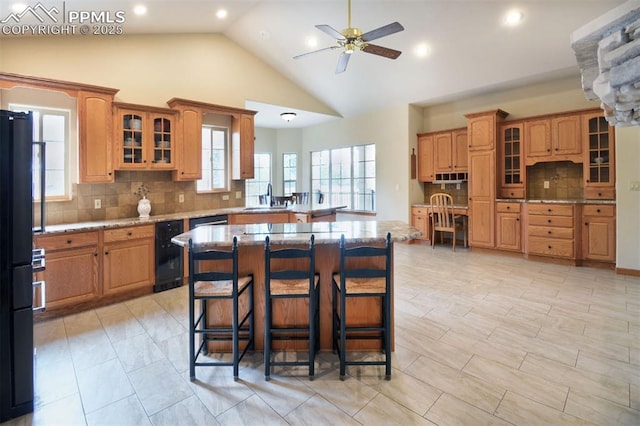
<point x="145" y="139"/>
<point x="599" y="156"/>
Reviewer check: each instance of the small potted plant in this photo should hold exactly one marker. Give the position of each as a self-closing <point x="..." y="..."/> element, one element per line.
<point x="144" y="205"/>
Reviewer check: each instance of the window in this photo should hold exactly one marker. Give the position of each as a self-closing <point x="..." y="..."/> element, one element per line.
<point x="345" y="176"/>
<point x="262" y="177"/>
<point x="289" y="172"/>
<point x="215" y="161"/>
<point x="50" y="126"/>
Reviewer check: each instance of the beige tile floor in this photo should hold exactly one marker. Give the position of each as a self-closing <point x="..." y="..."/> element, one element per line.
<point x="480" y="339"/>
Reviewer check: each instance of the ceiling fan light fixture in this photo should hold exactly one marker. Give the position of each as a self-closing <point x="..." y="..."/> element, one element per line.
<point x="288" y="116"/>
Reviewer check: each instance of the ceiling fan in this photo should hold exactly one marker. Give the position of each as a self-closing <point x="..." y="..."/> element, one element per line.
<point x="351" y="39"/>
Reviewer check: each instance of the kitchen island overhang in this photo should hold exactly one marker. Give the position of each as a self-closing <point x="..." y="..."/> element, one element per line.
<point x="327" y="235"/>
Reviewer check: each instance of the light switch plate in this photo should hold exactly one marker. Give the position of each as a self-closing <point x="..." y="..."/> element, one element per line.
<point x="97" y="203"/>
<point x="238" y="194"/>
<point x="225" y="197"/>
<point x="181" y="198"/>
<point x="546" y="184"/>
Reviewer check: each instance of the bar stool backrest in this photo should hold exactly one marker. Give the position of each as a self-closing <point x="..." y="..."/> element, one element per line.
<point x="349" y="270"/>
<point x="217" y="274"/>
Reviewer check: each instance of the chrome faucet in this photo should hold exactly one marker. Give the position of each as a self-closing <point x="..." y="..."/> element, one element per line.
<point x="270" y="194"/>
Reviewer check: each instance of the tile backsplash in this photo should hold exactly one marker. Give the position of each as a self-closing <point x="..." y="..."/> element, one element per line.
<point x="564" y="178"/>
<point x="459" y="195"/>
<point x="118" y="200"/>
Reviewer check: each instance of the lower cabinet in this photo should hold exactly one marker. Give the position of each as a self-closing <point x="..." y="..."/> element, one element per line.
<point x="250" y="218"/>
<point x="128" y="256"/>
<point x="508" y="226"/>
<point x="551" y="230"/>
<point x="420" y="220"/>
<point x="599" y="232"/>
<point x="72" y="268"/>
<point x="312" y="217"/>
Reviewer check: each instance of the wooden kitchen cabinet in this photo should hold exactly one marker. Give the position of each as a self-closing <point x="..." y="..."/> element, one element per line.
<point x="144" y="137"/>
<point x="555" y="138"/>
<point x="420" y="220"/>
<point x="72" y="273"/>
<point x="95" y="126"/>
<point x="599" y="232"/>
<point x="426" y="169"/>
<point x="128" y="259"/>
<point x="188" y="147"/>
<point x="599" y="157"/>
<point x="242" y="146"/>
<point x="551" y="230"/>
<point x="481" y="129"/>
<point x="508" y="226"/>
<point x="249" y="218"/>
<point x="450" y="152"/>
<point x="510" y="167"/>
<point x="328" y="216"/>
<point x="482" y="190"/>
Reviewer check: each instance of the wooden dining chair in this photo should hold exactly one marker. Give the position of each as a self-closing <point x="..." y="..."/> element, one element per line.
<point x="444" y="220"/>
<point x="300" y="197"/>
<point x="281" y="200"/>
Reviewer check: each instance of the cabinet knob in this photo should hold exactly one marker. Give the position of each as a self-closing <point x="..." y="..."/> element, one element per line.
<point x="556" y="149"/>
<point x="548" y="220"/>
<point x="129" y="233"/>
<point x="95" y="254"/>
<point x="548" y="150"/>
<point x="599" y="194"/>
<point x="508" y="207"/>
<point x="588" y="181"/>
<point x="109" y="173"/>
<point x="586" y="223"/>
<point x="517" y="219"/>
<point x="106" y="252"/>
<point x="69" y="241"/>
<point x="597" y="210"/>
<point x="182" y="173"/>
<point x="549" y="232"/>
<point x="549" y="247"/>
<point x="549" y="210"/>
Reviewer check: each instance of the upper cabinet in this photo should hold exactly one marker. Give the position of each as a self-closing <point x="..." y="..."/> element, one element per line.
<point x="144" y="137"/>
<point x="555" y="138"/>
<point x="426" y="170"/>
<point x="442" y="155"/>
<point x="598" y="160"/>
<point x="242" y="146"/>
<point x="189" y="141"/>
<point x="95" y="139"/>
<point x="510" y="167"/>
<point x="481" y="128"/>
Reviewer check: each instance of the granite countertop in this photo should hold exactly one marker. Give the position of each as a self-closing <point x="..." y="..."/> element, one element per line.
<point x="297" y="233"/>
<point x="134" y="221"/>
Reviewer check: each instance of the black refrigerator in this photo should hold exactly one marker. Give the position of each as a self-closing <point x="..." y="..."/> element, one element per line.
<point x="16" y="272"/>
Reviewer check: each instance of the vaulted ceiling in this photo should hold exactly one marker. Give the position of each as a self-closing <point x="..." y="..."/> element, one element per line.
<point x="470" y="48"/>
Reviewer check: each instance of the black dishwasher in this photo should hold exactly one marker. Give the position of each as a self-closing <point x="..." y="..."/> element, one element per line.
<point x="169" y="260"/>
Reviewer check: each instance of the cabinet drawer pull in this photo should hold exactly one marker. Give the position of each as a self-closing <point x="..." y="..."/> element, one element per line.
<point x="549" y="247"/>
<point x="549" y="210"/>
<point x="549" y="232"/>
<point x="129" y="233"/>
<point x="598" y="211"/>
<point x="509" y="207"/>
<point x="69" y="241"/>
<point x="548" y="220"/>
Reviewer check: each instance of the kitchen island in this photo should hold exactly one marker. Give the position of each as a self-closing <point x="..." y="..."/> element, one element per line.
<point x="327" y="236"/>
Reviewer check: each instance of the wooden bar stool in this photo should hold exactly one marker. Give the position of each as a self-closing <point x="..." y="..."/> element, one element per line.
<point x="291" y="273"/>
<point x="219" y="282"/>
<point x="357" y="278"/>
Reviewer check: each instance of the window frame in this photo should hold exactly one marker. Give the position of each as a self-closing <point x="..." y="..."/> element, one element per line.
<point x="227" y="161"/>
<point x="327" y="173"/>
<point x="285" y="166"/>
<point x="251" y="197"/>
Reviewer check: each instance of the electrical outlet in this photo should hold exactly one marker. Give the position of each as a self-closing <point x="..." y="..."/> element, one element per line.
<point x="238" y="194"/>
<point x="634" y="186"/>
<point x="442" y="186"/>
<point x="181" y="198"/>
<point x="457" y="186"/>
<point x="97" y="203"/>
<point x="546" y="184"/>
<point x="225" y="197"/>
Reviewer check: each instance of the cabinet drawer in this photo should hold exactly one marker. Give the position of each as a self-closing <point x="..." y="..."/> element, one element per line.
<point x="511" y="193"/>
<point x="64" y="241"/>
<point x="558" y="221"/>
<point x="420" y="211"/>
<point x="551" y="247"/>
<point x="551" y="209"/>
<point x="550" y="232"/>
<point x="129" y="233"/>
<point x="599" y="210"/>
<point x="508" y="207"/>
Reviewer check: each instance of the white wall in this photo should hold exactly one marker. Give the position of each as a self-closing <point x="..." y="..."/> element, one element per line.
<point x="628" y="202"/>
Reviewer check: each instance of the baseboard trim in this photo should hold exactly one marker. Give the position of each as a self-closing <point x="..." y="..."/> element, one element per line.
<point x="628" y="271"/>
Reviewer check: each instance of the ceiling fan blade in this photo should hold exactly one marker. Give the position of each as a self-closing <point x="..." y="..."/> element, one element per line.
<point x="342" y="62"/>
<point x="331" y="31"/>
<point x="386" y="30"/>
<point x="315" y="51"/>
<point x="382" y="51"/>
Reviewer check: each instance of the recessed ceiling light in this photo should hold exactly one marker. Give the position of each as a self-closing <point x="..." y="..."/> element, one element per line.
<point x="18" y="7"/>
<point x="312" y="42"/>
<point x="140" y="9"/>
<point x="221" y="13"/>
<point x="513" y="18"/>
<point x="422" y="50"/>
